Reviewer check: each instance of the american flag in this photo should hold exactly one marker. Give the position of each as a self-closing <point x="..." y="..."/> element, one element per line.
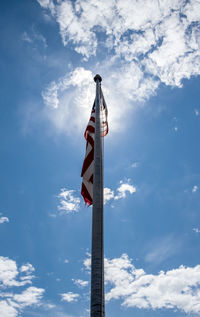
<point x="88" y="164"/>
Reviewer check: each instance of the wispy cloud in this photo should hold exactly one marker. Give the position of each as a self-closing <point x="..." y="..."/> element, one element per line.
<point x="69" y="297"/>
<point x="73" y="94"/>
<point x="159" y="251"/>
<point x="48" y="4"/>
<point x="25" y="37"/>
<point x="66" y="98"/>
<point x="135" y="164"/>
<point x="80" y="283"/>
<point x="161" y="44"/>
<point x="34" y="36"/>
<point x="196" y="230"/>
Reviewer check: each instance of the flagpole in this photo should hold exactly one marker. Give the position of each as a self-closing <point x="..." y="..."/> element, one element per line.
<point x="97" y="260"/>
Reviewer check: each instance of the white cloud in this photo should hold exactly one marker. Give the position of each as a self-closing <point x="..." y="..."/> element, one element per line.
<point x="7" y="310"/>
<point x="87" y="261"/>
<point x="69" y="297"/>
<point x="50" y="95"/>
<point x="4" y="219"/>
<point x="123" y="189"/>
<point x="108" y="194"/>
<point x="134" y="164"/>
<point x="196" y="230"/>
<point x="196" y="111"/>
<point x="11" y="303"/>
<point x="27" y="268"/>
<point x="69" y="101"/>
<point x="40" y="38"/>
<point x="72" y="30"/>
<point x="163" y="36"/>
<point x="194" y="189"/>
<point x="66" y="261"/>
<point x="30" y="296"/>
<point x="50" y="306"/>
<point x="47" y="4"/>
<point x="161" y="44"/>
<point x="68" y="203"/>
<point x="9" y="273"/>
<point x="177" y="289"/>
<point x="80" y="283"/>
<point x="26" y="37"/>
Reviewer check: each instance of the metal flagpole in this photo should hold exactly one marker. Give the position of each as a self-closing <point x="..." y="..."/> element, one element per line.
<point x="97" y="264"/>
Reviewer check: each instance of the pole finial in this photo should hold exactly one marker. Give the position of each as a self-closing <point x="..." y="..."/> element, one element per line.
<point x="97" y="77"/>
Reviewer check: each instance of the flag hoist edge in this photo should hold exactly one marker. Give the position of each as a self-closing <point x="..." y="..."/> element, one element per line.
<point x="88" y="164"/>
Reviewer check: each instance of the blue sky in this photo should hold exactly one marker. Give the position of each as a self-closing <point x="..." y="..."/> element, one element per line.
<point x="148" y="56"/>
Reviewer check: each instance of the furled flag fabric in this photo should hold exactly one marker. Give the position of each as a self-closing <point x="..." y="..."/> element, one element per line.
<point x="88" y="164"/>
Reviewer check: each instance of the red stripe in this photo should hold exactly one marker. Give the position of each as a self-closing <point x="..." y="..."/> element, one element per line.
<point x="89" y="136"/>
<point x="90" y="140"/>
<point x="105" y="132"/>
<point x="89" y="129"/>
<point x="88" y="160"/>
<point x="86" y="195"/>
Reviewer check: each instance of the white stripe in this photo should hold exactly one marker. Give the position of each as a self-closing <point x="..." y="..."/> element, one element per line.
<point x="88" y="149"/>
<point x="89" y="171"/>
<point x="92" y="124"/>
<point x="89" y="187"/>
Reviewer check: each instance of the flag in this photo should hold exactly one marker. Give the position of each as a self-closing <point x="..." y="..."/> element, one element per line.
<point x="88" y="164"/>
